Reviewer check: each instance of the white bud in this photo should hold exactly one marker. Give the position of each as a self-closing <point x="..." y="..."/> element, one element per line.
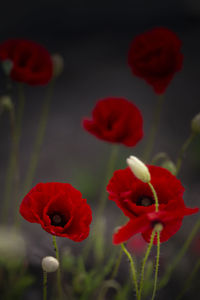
<point x="139" y="169"/>
<point x="58" y="64"/>
<point x="50" y="264"/>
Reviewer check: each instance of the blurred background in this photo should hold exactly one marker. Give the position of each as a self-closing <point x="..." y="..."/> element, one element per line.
<point x="94" y="38"/>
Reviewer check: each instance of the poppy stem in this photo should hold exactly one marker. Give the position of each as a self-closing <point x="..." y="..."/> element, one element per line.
<point x="189" y="281"/>
<point x="154" y="195"/>
<point x="157" y="265"/>
<point x="116" y="267"/>
<point x="44" y="285"/>
<point x="110" y="169"/>
<point x="13" y="163"/>
<point x="59" y="285"/>
<point x="133" y="270"/>
<point x="154" y="128"/>
<point x="180" y="255"/>
<point x="144" y="263"/>
<point x="39" y="138"/>
<point x="183" y="150"/>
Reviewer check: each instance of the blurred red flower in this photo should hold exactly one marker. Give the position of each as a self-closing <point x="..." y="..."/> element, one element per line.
<point x="170" y="220"/>
<point x="155" y="56"/>
<point x="59" y="209"/>
<point x="136" y="245"/>
<point x="30" y="62"/>
<point x="134" y="197"/>
<point x="116" y="120"/>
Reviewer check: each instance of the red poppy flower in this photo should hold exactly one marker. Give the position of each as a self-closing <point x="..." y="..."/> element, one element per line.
<point x="116" y="120"/>
<point x="31" y="63"/>
<point x="170" y="220"/>
<point x="155" y="56"/>
<point x="59" y="209"/>
<point x="135" y="197"/>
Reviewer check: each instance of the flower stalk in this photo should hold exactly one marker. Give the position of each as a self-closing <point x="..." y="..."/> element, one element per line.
<point x="59" y="284"/>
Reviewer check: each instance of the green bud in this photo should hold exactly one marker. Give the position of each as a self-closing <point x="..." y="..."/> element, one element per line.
<point x="195" y="124"/>
<point x="6" y="103"/>
<point x="170" y="166"/>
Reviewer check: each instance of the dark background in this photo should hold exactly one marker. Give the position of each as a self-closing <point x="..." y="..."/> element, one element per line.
<point x="93" y="38"/>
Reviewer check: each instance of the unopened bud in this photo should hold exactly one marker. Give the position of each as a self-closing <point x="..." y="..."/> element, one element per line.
<point x="158" y="227"/>
<point x="50" y="264"/>
<point x="7" y="66"/>
<point x="139" y="169"/>
<point x="6" y="103"/>
<point x="170" y="166"/>
<point x="195" y="124"/>
<point x="58" y="64"/>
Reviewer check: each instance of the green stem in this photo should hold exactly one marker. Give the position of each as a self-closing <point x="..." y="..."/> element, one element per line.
<point x="189" y="281"/>
<point x="183" y="150"/>
<point x="44" y="285"/>
<point x="144" y="263"/>
<point x="134" y="274"/>
<point x="116" y="268"/>
<point x="157" y="266"/>
<point x="180" y="255"/>
<point x="154" y="128"/>
<point x="12" y="169"/>
<point x="110" y="169"/>
<point x="154" y="195"/>
<point x="39" y="138"/>
<point x="59" y="284"/>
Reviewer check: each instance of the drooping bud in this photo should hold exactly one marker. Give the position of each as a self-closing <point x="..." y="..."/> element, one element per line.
<point x="139" y="169"/>
<point x="50" y="264"/>
<point x="58" y="65"/>
<point x="170" y="166"/>
<point x="195" y="124"/>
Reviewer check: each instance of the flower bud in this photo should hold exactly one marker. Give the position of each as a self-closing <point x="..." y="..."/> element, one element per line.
<point x="7" y="66"/>
<point x="139" y="169"/>
<point x="195" y="124"/>
<point x="58" y="65"/>
<point x="170" y="166"/>
<point x="50" y="264"/>
<point x="6" y="103"/>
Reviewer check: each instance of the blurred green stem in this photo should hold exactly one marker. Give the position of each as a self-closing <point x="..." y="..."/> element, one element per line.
<point x="144" y="263"/>
<point x="154" y="128"/>
<point x="44" y="285"/>
<point x="13" y="164"/>
<point x="183" y="150"/>
<point x="179" y="256"/>
<point x="157" y="266"/>
<point x="110" y="169"/>
<point x="189" y="280"/>
<point x="59" y="284"/>
<point x="116" y="267"/>
<point x="133" y="270"/>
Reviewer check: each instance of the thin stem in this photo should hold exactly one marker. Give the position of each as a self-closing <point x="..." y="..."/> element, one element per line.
<point x="44" y="285"/>
<point x="154" y="195"/>
<point x="157" y="266"/>
<point x="59" y="285"/>
<point x="180" y="255"/>
<point x="189" y="280"/>
<point x="134" y="274"/>
<point x="110" y="168"/>
<point x="116" y="268"/>
<point x="144" y="263"/>
<point x="154" y="128"/>
<point x="12" y="169"/>
<point x="183" y="150"/>
<point x="39" y="139"/>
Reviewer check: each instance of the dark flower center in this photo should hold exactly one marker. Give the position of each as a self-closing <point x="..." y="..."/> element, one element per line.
<point x="58" y="219"/>
<point x="145" y="201"/>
